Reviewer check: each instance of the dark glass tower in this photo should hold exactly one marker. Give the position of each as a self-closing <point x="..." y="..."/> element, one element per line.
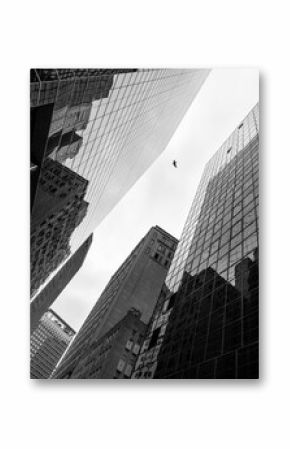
<point x="94" y="132"/>
<point x="205" y="324"/>
<point x="136" y="284"/>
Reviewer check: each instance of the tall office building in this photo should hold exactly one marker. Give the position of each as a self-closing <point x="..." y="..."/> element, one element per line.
<point x="47" y="344"/>
<point x="136" y="284"/>
<point x="113" y="356"/>
<point x="102" y="126"/>
<point x="205" y="324"/>
<point x="55" y="286"/>
<point x="59" y="208"/>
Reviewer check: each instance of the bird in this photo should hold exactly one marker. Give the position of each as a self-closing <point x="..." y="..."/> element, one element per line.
<point x="174" y="163"/>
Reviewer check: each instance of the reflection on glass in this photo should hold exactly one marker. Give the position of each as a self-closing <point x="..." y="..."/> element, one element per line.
<point x="93" y="134"/>
<point x="213" y="280"/>
<point x="59" y="207"/>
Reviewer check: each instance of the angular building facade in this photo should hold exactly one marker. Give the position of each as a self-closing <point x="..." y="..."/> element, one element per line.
<point x="206" y="321"/>
<point x="114" y="355"/>
<point x="94" y="132"/>
<point x="56" y="285"/>
<point x="58" y="209"/>
<point x="47" y="344"/>
<point x="136" y="284"/>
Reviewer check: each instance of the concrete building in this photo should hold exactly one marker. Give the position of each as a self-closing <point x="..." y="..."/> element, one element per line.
<point x="206" y="322"/>
<point x="136" y="284"/>
<point x="47" y="344"/>
<point x="113" y="356"/>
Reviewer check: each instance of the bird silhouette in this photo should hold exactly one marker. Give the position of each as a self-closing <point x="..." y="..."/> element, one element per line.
<point x="174" y="163"/>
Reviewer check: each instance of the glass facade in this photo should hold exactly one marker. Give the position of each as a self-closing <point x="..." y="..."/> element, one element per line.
<point x="205" y="324"/>
<point x="93" y="134"/>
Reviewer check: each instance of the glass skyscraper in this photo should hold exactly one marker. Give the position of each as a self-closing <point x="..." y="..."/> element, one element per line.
<point x="205" y="324"/>
<point x="93" y="134"/>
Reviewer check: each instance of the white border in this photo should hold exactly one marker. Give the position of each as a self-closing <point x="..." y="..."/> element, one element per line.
<point x="154" y="34"/>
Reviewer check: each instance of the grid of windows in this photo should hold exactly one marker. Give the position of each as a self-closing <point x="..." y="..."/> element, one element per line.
<point x="47" y="344"/>
<point x="213" y="279"/>
<point x="106" y="127"/>
<point x="227" y="198"/>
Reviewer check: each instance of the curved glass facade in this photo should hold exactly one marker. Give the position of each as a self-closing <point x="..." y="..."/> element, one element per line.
<point x="93" y="134"/>
<point x="206" y="320"/>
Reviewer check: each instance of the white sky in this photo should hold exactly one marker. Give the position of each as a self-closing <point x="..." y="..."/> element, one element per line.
<point x="163" y="195"/>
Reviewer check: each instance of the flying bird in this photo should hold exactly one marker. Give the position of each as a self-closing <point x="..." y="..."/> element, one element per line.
<point x="174" y="163"/>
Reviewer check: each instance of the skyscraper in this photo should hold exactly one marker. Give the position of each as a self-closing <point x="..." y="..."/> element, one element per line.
<point x="47" y="344"/>
<point x="55" y="286"/>
<point x="136" y="284"/>
<point x="205" y="324"/>
<point x="102" y="126"/>
<point x="59" y="207"/>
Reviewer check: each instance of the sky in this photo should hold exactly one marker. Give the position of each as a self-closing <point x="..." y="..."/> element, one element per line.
<point x="163" y="195"/>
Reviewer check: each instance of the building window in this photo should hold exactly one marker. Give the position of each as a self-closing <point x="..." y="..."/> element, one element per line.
<point x="129" y="345"/>
<point x="154" y="338"/>
<point x="136" y="349"/>
<point x="121" y="365"/>
<point x="128" y="370"/>
<point x="161" y="249"/>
